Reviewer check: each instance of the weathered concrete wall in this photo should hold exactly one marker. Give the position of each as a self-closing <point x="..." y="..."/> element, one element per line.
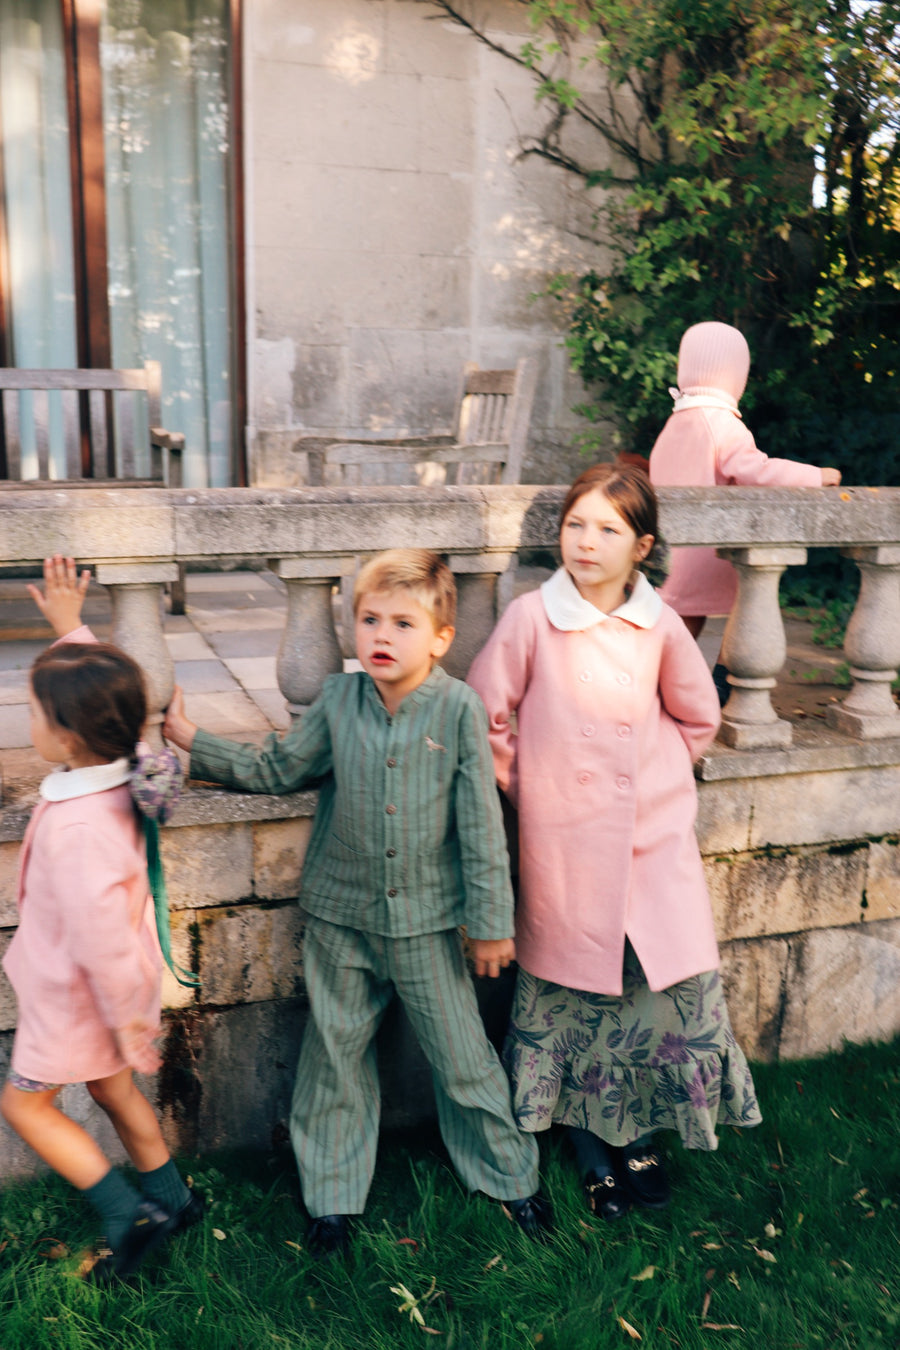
<point x="393" y="231"/>
<point x="806" y="899"/>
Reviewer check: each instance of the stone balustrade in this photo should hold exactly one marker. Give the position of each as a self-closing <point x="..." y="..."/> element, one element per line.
<point x="798" y="823"/>
<point x="313" y="538"/>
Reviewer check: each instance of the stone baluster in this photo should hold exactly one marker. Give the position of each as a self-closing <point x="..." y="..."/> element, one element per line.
<point x="754" y="648"/>
<point x="309" y="647"/>
<point x="477" y="576"/>
<point x="872" y="646"/>
<point x="137" y="627"/>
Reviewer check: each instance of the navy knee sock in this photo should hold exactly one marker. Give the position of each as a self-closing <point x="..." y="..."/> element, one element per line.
<point x="591" y="1154"/>
<point x="165" y="1187"/>
<point x="116" y="1202"/>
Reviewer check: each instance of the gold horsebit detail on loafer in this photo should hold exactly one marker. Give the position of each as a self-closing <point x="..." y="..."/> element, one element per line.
<point x="641" y="1164"/>
<point x="608" y="1180"/>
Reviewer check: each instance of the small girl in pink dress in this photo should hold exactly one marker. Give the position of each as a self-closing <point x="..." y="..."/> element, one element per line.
<point x="85" y="960"/>
<point x="705" y="443"/>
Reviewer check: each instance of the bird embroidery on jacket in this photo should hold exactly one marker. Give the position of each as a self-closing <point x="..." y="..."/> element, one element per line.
<point x="433" y="745"/>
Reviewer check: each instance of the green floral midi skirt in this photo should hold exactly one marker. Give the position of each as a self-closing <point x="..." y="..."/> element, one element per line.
<point x="623" y="1065"/>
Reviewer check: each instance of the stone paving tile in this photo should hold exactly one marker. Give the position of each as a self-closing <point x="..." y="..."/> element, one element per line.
<point x="272" y="706"/>
<point x="235" y="715"/>
<point x="15" y="726"/>
<point x="234" y="620"/>
<point x="231" y="583"/>
<point x="259" y="642"/>
<point x="204" y="677"/>
<point x="13" y="687"/>
<point x="189" y="646"/>
<point x="253" y="672"/>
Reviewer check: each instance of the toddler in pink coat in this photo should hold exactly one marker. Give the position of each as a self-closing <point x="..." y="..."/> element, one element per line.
<point x="85" y="960"/>
<point x="705" y="443"/>
<point x="619" y="1024"/>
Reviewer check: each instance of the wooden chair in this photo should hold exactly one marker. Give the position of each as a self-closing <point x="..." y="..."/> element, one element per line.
<point x="88" y="428"/>
<point x="490" y="432"/>
<point x="86" y="425"/>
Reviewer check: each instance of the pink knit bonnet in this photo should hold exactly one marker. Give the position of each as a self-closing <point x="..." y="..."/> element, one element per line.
<point x="713" y="358"/>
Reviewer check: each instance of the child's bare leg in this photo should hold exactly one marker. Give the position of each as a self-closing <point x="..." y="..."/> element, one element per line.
<point x="133" y="1119"/>
<point x="59" y="1141"/>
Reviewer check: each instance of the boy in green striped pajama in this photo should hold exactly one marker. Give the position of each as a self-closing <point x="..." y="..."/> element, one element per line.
<point x="407" y="845"/>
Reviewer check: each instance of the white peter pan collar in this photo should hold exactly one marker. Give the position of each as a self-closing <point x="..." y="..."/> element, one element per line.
<point x="567" y="609"/>
<point x="63" y="784"/>
<point x="711" y="398"/>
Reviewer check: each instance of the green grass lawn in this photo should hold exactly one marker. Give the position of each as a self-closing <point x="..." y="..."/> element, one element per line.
<point x="788" y="1237"/>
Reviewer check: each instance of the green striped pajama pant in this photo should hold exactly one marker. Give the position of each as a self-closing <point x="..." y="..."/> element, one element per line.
<point x="350" y="978"/>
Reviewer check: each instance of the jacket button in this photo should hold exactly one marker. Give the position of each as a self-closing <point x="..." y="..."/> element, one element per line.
<point x="588" y="730"/>
<point x="585" y="677"/>
<point x="623" y="678"/>
<point x="391" y="894"/>
<point x="392" y="763"/>
<point x="624" y="731"/>
<point x="584" y="778"/>
<point x="391" y="853"/>
<point x="622" y="783"/>
<point x="391" y="810"/>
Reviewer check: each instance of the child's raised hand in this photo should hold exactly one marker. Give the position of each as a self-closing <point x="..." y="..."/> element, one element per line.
<point x="176" y="727"/>
<point x="136" y="1046"/>
<point x="831" y="477"/>
<point x="492" y="956"/>
<point x="63" y="595"/>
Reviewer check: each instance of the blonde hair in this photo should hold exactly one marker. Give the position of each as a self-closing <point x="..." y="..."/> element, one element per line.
<point x="417" y="570"/>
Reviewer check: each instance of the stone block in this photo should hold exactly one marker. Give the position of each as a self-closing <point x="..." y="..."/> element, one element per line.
<point x="208" y="865"/>
<point x="883" y="881"/>
<point x="9" y="871"/>
<point x="227" y="1076"/>
<point x="754" y="976"/>
<point x="760" y="894"/>
<point x="842" y="985"/>
<point x="8" y="1007"/>
<point x="174" y="994"/>
<point x="279" y="847"/>
<point x="250" y="955"/>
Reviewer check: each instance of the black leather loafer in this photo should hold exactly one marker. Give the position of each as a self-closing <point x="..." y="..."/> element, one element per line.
<point x="191" y="1212"/>
<point x="605" y="1197"/>
<point x="329" y="1235"/>
<point x="149" y="1227"/>
<point x="533" y="1215"/>
<point x="645" y="1176"/>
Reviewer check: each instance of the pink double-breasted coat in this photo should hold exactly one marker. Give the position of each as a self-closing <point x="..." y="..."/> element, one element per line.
<point x="85" y="958"/>
<point x="709" y="447"/>
<point x="609" y="721"/>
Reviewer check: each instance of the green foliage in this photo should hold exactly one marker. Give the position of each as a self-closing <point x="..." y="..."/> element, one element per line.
<point x="787" y="1236"/>
<point x="750" y="152"/>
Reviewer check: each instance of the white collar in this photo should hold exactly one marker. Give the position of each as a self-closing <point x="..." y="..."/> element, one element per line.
<point x="567" y="609"/>
<point x="63" y="784"/>
<point x="710" y="398"/>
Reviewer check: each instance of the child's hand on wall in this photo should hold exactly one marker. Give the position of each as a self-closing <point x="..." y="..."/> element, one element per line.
<point x="831" y="477"/>
<point x="177" y="728"/>
<point x="63" y="595"/>
<point x="492" y="956"/>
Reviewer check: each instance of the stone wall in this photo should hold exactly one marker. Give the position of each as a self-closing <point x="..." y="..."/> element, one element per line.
<point x="393" y="232"/>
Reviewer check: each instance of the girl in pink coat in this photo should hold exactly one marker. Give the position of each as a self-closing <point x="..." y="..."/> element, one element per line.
<point x="705" y="443"/>
<point x="85" y="961"/>
<point x="619" y="1025"/>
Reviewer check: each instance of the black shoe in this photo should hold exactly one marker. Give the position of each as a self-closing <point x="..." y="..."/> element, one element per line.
<point x="645" y="1176"/>
<point x="191" y="1212"/>
<point x="720" y="680"/>
<point x="329" y="1235"/>
<point x="533" y="1215"/>
<point x="149" y="1227"/>
<point x="605" y="1197"/>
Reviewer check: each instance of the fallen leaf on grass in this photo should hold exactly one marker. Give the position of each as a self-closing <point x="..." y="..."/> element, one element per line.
<point x="707" y="1299"/>
<point x="219" y="1235"/>
<point x="493" y="1261"/>
<point x="646" y="1274"/>
<point x="712" y="1246"/>
<point x="408" y="1242"/>
<point x="766" y="1256"/>
<point x="632" y="1331"/>
<point x="720" y="1326"/>
<point x="296" y="1245"/>
<point x="55" y="1251"/>
<point x="841" y="1162"/>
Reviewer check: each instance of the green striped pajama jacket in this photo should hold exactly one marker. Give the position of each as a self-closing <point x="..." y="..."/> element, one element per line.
<point x="407" y="844"/>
